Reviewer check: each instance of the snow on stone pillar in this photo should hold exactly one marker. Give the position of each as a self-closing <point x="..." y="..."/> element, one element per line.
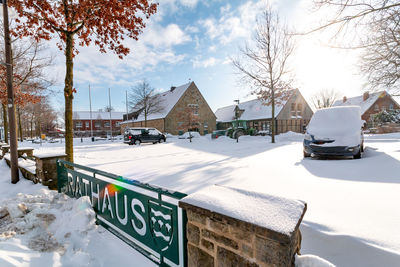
<point x="46" y="168"/>
<point x="234" y="227"/>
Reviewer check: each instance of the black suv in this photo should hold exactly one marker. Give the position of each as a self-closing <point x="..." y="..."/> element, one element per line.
<point x="143" y="135"/>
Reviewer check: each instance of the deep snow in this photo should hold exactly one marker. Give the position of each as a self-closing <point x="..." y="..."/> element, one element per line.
<point x="353" y="213"/>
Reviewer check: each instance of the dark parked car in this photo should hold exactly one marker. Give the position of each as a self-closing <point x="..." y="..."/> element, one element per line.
<point x="143" y="135"/>
<point x="335" y="131"/>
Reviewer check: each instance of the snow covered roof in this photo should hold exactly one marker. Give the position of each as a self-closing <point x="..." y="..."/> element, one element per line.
<point x="97" y="115"/>
<point x="359" y="101"/>
<point x="278" y="214"/>
<point x="169" y="99"/>
<point x="253" y="110"/>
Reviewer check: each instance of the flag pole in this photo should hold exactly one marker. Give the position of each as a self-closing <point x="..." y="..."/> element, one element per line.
<point x="109" y="102"/>
<point x="91" y="122"/>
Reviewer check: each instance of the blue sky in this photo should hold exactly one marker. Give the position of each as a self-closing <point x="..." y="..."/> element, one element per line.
<point x="191" y="39"/>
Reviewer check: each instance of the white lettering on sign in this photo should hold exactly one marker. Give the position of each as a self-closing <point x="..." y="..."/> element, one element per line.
<point x="96" y="195"/>
<point x="141" y="231"/>
<point x="70" y="183"/>
<point x="123" y="221"/>
<point x="86" y="182"/>
<point x="106" y="197"/>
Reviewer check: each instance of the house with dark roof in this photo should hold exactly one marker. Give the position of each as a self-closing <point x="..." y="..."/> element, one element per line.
<point x="291" y="114"/>
<point x="370" y="103"/>
<point x="98" y="122"/>
<point x="170" y="119"/>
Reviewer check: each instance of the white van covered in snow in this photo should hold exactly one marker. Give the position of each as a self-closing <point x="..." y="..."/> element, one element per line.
<point x="335" y="131"/>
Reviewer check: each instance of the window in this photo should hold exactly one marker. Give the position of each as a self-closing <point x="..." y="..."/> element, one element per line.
<point x="293" y="109"/>
<point x="117" y="123"/>
<point x="299" y="109"/>
<point x="194" y="108"/>
<point x="97" y="124"/>
<point x="87" y="124"/>
<point x="376" y="107"/>
<point x="78" y="124"/>
<point x="391" y="106"/>
<point x="205" y="124"/>
<point x="107" y="124"/>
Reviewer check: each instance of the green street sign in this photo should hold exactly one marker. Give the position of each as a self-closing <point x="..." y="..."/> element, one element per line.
<point x="145" y="217"/>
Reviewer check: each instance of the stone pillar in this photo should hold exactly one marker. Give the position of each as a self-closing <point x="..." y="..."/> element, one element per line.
<point x="232" y="227"/>
<point x="46" y="168"/>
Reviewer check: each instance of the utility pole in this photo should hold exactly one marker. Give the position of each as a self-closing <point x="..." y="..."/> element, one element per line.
<point x="10" y="98"/>
<point x="109" y="102"/>
<point x="91" y="122"/>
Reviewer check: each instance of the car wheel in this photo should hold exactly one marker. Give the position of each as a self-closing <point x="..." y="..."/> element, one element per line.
<point x="137" y="142"/>
<point x="358" y="155"/>
<point x="161" y="140"/>
<point x="306" y="155"/>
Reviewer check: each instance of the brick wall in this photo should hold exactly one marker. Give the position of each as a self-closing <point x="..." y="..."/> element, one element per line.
<point x="383" y="103"/>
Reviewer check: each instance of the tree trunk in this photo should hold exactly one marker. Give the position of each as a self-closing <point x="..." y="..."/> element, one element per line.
<point x="31" y="128"/>
<point x="19" y="123"/>
<point x="273" y="117"/>
<point x="68" y="95"/>
<point x="5" y="121"/>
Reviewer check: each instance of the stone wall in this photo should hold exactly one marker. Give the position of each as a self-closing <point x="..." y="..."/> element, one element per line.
<point x="46" y="169"/>
<point x="215" y="239"/>
<point x="206" y="116"/>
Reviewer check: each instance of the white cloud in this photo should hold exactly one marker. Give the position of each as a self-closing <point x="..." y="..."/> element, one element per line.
<point x="197" y="63"/>
<point x="188" y="3"/>
<point x="233" y="24"/>
<point x="159" y="36"/>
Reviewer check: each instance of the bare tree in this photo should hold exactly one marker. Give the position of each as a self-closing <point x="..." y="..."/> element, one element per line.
<point x="189" y="119"/>
<point x="29" y="79"/>
<point x="264" y="66"/>
<point x="376" y="23"/>
<point x="143" y="99"/>
<point x="108" y="108"/>
<point x="324" y="98"/>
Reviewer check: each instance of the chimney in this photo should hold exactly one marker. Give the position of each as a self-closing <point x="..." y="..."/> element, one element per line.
<point x="365" y="96"/>
<point x="344" y="99"/>
<point x="172" y="88"/>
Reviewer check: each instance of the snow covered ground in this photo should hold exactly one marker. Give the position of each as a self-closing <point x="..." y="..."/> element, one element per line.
<point x="353" y="214"/>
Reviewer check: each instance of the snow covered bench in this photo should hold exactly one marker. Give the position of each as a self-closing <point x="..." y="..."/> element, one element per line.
<point x="5" y="148"/>
<point x="26" y="166"/>
<point x="28" y="151"/>
<point x="233" y="227"/>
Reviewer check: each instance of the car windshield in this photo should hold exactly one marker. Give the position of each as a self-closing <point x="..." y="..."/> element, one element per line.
<point x="335" y="120"/>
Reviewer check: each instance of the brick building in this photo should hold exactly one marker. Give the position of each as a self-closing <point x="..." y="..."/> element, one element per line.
<point x="292" y="114"/>
<point x="170" y="119"/>
<point x="370" y="103"/>
<point x="100" y="122"/>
